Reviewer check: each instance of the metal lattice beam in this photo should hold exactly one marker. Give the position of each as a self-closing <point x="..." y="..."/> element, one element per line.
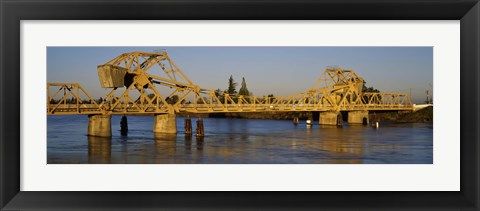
<point x="131" y="76"/>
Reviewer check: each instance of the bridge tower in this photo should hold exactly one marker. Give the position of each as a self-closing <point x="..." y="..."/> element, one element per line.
<point x="341" y="90"/>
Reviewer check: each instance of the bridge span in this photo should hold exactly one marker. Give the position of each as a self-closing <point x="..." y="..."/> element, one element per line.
<point x="142" y="83"/>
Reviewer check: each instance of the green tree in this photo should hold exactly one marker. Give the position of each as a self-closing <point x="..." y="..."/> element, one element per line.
<point x="369" y="89"/>
<point x="172" y="100"/>
<point x="151" y="95"/>
<point x="243" y="89"/>
<point x="200" y="101"/>
<point x="270" y="96"/>
<point x="219" y="95"/>
<point x="231" y="86"/>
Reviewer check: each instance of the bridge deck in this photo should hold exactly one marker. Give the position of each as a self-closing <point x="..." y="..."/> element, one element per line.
<point x="71" y="109"/>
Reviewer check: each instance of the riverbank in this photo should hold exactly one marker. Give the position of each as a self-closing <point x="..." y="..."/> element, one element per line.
<point x="424" y="115"/>
<point x="262" y="115"/>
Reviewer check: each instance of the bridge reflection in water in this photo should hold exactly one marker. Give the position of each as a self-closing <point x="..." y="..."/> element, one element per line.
<point x="166" y="150"/>
<point x="99" y="149"/>
<point x="233" y="141"/>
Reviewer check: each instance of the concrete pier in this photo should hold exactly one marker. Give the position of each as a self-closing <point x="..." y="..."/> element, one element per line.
<point x="330" y="118"/>
<point x="358" y="117"/>
<point x="165" y="123"/>
<point x="99" y="125"/>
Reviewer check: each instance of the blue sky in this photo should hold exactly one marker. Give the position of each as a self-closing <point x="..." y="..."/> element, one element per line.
<point x="267" y="70"/>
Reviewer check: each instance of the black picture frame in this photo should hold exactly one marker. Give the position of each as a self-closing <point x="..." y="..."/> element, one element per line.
<point x="13" y="11"/>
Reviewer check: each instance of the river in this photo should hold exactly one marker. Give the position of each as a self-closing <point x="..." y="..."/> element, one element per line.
<point x="239" y="141"/>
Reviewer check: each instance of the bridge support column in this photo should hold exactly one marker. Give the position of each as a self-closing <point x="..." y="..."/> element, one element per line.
<point x="99" y="125"/>
<point x="330" y="118"/>
<point x="295" y="120"/>
<point x="188" y="126"/>
<point x="358" y="117"/>
<point x="199" y="131"/>
<point x="165" y="123"/>
<point x="124" y="126"/>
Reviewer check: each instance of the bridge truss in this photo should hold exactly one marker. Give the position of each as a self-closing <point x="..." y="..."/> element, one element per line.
<point x="145" y="83"/>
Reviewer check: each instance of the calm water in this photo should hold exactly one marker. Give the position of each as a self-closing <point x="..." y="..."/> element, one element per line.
<point x="234" y="141"/>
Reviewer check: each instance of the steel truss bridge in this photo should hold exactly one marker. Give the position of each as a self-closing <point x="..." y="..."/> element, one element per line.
<point x="143" y="83"/>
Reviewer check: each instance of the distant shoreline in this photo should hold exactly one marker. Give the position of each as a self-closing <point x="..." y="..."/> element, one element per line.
<point x="421" y="116"/>
<point x="424" y="115"/>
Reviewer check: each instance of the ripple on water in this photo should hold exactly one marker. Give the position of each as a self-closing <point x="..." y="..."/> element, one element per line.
<point x="240" y="141"/>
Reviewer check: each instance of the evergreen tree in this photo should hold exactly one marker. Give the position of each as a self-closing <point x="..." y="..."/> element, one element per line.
<point x="231" y="86"/>
<point x="200" y="101"/>
<point x="151" y="95"/>
<point x="244" y="90"/>
<point x="172" y="100"/>
<point x="369" y="89"/>
<point x="219" y="95"/>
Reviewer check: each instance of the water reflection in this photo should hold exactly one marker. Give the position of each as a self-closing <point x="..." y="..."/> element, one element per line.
<point x="345" y="151"/>
<point x="165" y="147"/>
<point x="99" y="149"/>
<point x="232" y="141"/>
<point x="188" y="143"/>
<point x="200" y="140"/>
<point x="329" y="126"/>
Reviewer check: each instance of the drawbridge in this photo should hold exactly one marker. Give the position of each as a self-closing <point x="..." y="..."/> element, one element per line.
<point x="150" y="83"/>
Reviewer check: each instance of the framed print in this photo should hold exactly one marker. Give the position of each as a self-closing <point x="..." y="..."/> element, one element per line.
<point x="239" y="105"/>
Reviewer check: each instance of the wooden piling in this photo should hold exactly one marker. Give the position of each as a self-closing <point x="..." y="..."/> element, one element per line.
<point x="124" y="125"/>
<point x="309" y="119"/>
<point x="199" y="131"/>
<point x="339" y="120"/>
<point x="295" y="120"/>
<point x="188" y="126"/>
